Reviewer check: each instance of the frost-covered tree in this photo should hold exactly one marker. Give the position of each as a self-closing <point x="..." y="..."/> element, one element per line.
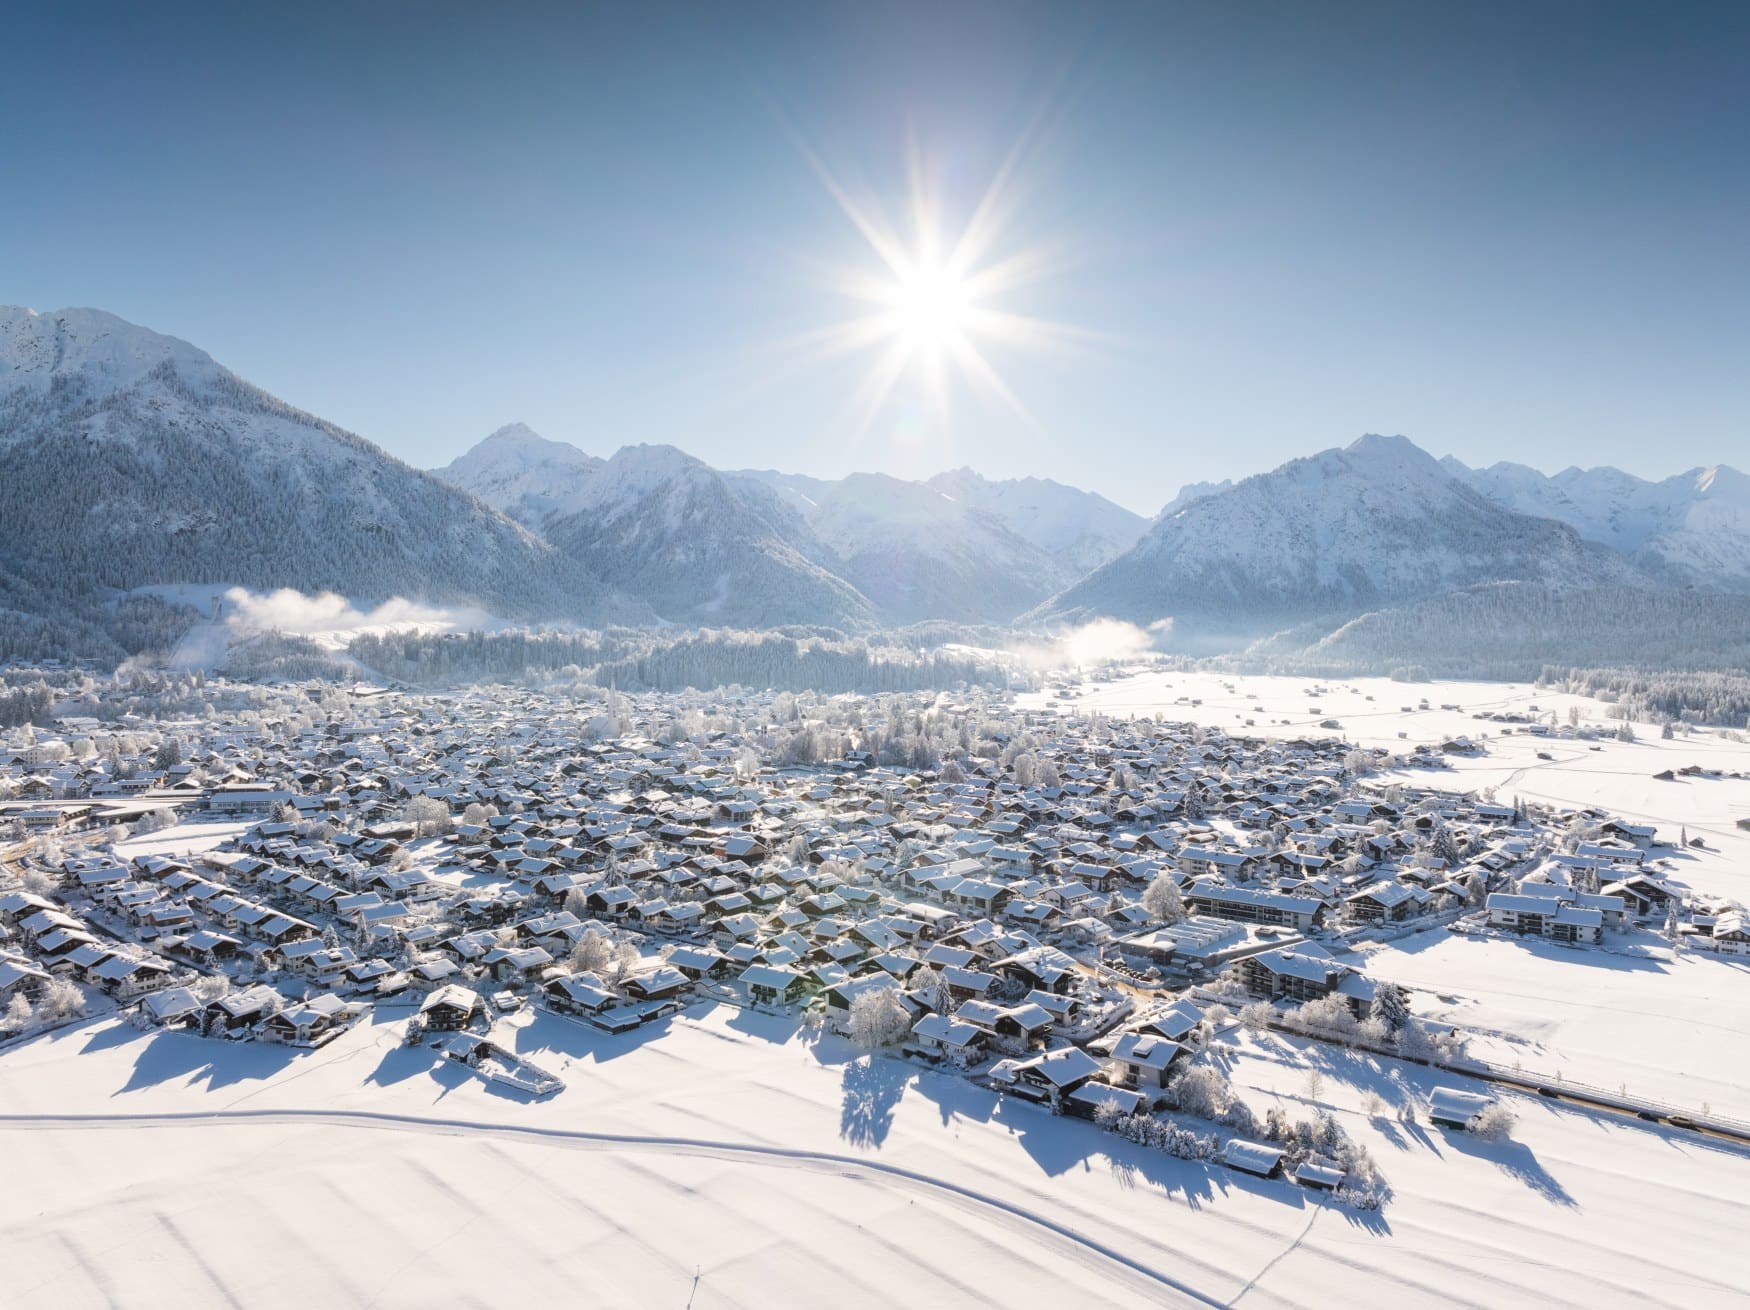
<point x="1392" y="1006"/>
<point x="1201" y="1090"/>
<point x="429" y="816"/>
<point x="929" y="988"/>
<point x="1163" y="900"/>
<point x="20" y="1014"/>
<point x="877" y="1018"/>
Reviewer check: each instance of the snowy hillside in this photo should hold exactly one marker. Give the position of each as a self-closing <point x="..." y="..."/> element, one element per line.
<point x="919" y="554"/>
<point x="520" y="473"/>
<point x="1332" y="535"/>
<point x="1081" y="530"/>
<point x="700" y="547"/>
<point x="1694" y="527"/>
<point x="128" y="459"/>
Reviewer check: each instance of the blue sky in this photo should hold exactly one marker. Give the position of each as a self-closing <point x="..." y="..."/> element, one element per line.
<point x="1509" y="232"/>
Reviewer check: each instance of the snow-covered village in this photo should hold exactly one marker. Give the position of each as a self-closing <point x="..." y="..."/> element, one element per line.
<point x="925" y="653"/>
<point x="1227" y="969"/>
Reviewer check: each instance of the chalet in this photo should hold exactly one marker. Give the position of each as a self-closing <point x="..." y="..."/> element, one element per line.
<point x="1643" y="896"/>
<point x="171" y="1007"/>
<point x="517" y="964"/>
<point x="581" y="994"/>
<point x="1731" y="933"/>
<point x="236" y="1012"/>
<point x="126" y="977"/>
<point x="769" y="984"/>
<point x="1386" y="902"/>
<point x="1091" y="1097"/>
<point x="661" y="984"/>
<point x="309" y="1023"/>
<point x="1142" y="1060"/>
<point x="451" y="1008"/>
<point x="20" y="977"/>
<point x="1055" y="1075"/>
<point x="952" y="1040"/>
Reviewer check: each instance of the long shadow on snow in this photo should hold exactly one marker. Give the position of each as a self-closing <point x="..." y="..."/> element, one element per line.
<point x="185" y="1056"/>
<point x="872" y="1088"/>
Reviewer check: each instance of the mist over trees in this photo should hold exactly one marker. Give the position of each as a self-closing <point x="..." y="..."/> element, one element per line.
<point x="787" y="660"/>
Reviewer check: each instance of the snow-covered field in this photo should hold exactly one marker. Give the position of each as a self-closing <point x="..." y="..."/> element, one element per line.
<point x="1672" y="1029"/>
<point x="722" y="1159"/>
<point x="184" y="839"/>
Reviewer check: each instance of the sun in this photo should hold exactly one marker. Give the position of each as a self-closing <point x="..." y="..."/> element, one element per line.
<point x="937" y="297"/>
<point x="932" y="310"/>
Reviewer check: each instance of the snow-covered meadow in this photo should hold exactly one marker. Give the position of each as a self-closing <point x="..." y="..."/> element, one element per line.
<point x="725" y="1158"/>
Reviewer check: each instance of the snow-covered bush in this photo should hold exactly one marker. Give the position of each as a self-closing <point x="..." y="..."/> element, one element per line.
<point x="1494" y="1124"/>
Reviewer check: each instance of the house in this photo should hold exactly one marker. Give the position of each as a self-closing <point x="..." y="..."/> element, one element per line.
<point x="1386" y="902"/>
<point x="126" y="977"/>
<point x="950" y="1039"/>
<point x="451" y="1008"/>
<point x="20" y="978"/>
<point x="1731" y="933"/>
<point x="1143" y="1060"/>
<point x="1054" y="1075"/>
<point x="1088" y="1099"/>
<point x="517" y="964"/>
<point x="660" y="984"/>
<point x="309" y="1023"/>
<point x="771" y="984"/>
<point x="173" y="1007"/>
<point x="236" y="1012"/>
<point x="582" y="994"/>
<point x="1451" y="1107"/>
<point x="1642" y="896"/>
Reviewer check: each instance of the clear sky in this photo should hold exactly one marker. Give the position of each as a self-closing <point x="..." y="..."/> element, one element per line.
<point x="1509" y="232"/>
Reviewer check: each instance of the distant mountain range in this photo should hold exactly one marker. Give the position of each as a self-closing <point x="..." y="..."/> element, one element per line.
<point x="755" y="548"/>
<point x="130" y="460"/>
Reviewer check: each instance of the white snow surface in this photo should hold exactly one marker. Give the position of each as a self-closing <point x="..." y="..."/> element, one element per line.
<point x="721" y="1160"/>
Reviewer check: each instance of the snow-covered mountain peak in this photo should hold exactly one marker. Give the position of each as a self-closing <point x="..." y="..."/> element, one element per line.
<point x="1693" y="527"/>
<point x="104" y="353"/>
<point x="523" y="474"/>
<point x="1722" y="480"/>
<point x="1376" y="448"/>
